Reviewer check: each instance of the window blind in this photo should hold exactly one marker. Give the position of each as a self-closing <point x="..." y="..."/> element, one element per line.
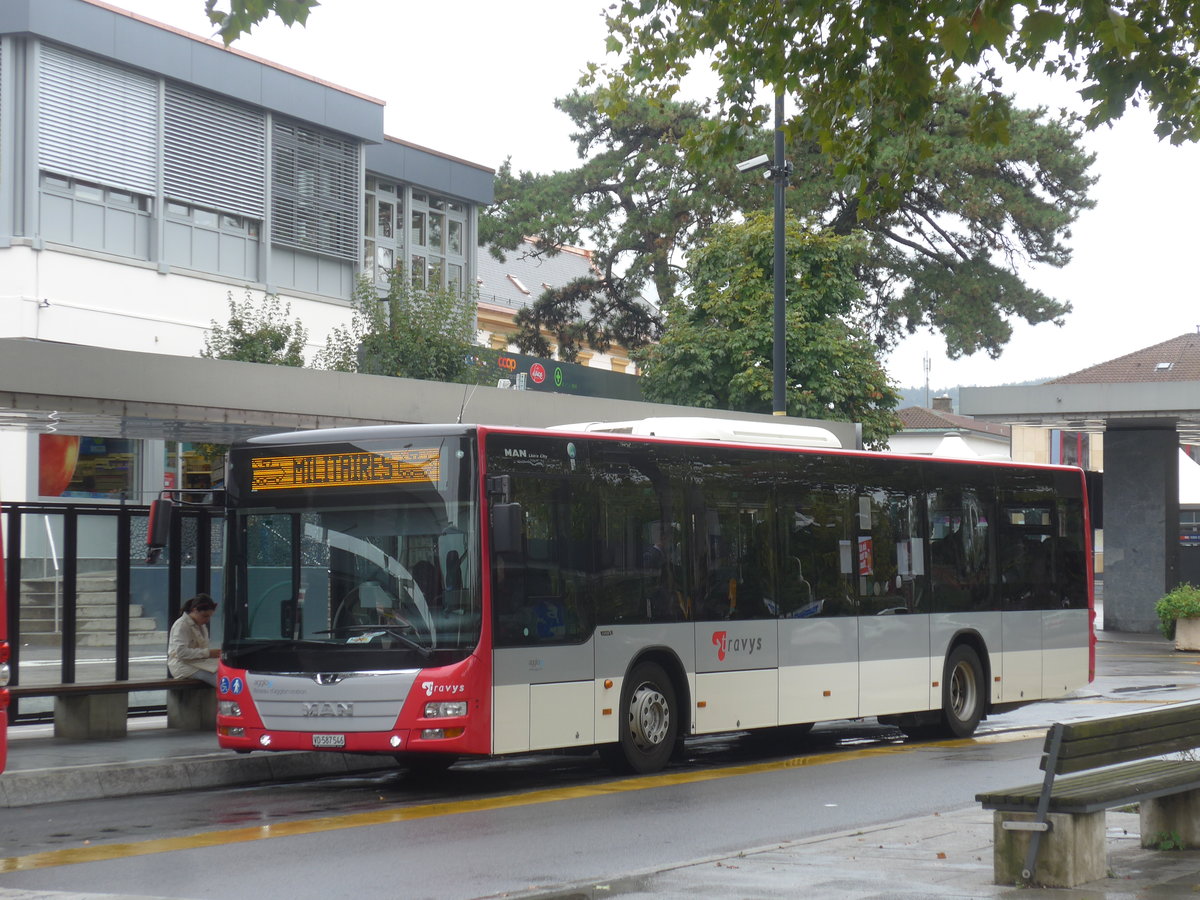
<point x="97" y="121"/>
<point x="214" y="152"/>
<point x="315" y="190"/>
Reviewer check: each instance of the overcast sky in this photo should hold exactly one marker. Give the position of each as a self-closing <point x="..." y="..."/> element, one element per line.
<point x="477" y="79"/>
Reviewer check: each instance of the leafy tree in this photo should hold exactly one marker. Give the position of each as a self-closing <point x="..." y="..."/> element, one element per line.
<point x="944" y="256"/>
<point x="257" y="332"/>
<point x="860" y="72"/>
<point x="716" y="349"/>
<point x="409" y="332"/>
<point x="634" y="200"/>
<point x="947" y="254"/>
<point x="243" y="15"/>
<point x="583" y="313"/>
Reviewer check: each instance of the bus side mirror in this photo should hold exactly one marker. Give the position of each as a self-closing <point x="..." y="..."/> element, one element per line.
<point x="158" y="530"/>
<point x="508" y="520"/>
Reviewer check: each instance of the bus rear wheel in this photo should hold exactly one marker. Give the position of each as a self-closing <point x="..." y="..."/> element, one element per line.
<point x="649" y="721"/>
<point x="962" y="692"/>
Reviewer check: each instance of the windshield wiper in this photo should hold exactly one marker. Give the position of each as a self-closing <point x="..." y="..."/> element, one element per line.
<point x="389" y="629"/>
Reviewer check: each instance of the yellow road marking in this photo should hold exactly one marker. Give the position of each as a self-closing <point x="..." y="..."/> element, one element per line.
<point x="100" y="852"/>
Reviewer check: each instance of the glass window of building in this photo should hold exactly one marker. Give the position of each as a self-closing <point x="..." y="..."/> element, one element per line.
<point x="94" y="468"/>
<point x="383" y="229"/>
<point x="402" y="224"/>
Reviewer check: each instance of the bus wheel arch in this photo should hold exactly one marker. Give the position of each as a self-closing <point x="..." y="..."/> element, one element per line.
<point x="654" y="695"/>
<point x="964" y="687"/>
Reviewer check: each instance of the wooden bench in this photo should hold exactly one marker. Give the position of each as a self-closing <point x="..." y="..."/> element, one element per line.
<point x="84" y="711"/>
<point x="1110" y="763"/>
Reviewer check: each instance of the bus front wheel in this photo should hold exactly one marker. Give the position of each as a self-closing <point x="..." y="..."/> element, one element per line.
<point x="649" y="720"/>
<point x="962" y="692"/>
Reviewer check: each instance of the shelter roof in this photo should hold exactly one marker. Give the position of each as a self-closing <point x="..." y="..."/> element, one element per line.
<point x="1156" y="387"/>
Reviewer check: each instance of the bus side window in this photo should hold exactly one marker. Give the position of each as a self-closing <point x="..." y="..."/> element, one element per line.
<point x="959" y="552"/>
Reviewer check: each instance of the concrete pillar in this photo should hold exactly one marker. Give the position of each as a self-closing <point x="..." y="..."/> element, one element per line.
<point x="91" y="716"/>
<point x="1073" y="852"/>
<point x="1175" y="817"/>
<point x="192" y="709"/>
<point x="1141" y="524"/>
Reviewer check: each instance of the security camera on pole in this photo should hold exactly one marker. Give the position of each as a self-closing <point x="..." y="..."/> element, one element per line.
<point x="780" y="172"/>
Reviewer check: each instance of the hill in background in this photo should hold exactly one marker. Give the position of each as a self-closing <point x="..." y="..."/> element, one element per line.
<point x="918" y="396"/>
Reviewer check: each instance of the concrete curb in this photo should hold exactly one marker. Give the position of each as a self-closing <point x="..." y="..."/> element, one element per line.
<point x="183" y="773"/>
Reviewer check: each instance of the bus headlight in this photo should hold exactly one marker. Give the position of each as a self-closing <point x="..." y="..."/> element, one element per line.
<point x="228" y="708"/>
<point x="3" y="674"/>
<point x="445" y="709"/>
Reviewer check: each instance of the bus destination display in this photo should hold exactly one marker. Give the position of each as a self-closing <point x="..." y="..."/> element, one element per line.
<point x="331" y="470"/>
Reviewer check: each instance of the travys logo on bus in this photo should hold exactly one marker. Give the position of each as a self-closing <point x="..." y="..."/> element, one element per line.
<point x="726" y="644"/>
<point x="430" y="688"/>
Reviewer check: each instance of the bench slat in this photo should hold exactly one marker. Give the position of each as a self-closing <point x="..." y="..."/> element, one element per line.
<point x="106" y="687"/>
<point x="1095" y="754"/>
<point x="1102" y="789"/>
<point x="1117" y="739"/>
<point x="1143" y="720"/>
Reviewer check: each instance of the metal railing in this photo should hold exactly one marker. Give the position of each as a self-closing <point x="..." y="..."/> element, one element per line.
<point x="84" y="604"/>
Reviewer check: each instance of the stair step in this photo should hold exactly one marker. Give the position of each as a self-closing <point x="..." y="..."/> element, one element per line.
<point x="107" y="625"/>
<point x="109" y="638"/>
<point x="105" y="610"/>
<point x="82" y="583"/>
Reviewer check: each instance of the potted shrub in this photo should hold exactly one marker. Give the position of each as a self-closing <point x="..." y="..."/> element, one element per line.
<point x="1179" y="616"/>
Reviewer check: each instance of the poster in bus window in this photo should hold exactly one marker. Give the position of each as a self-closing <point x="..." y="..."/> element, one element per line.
<point x="866" y="556"/>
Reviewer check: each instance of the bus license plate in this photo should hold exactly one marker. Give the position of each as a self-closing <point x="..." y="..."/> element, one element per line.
<point x="329" y="740"/>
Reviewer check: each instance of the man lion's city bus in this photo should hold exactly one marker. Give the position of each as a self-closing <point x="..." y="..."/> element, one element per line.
<point x="4" y="657"/>
<point x="435" y="592"/>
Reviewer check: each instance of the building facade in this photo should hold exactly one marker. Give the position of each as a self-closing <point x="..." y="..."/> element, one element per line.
<point x="147" y="175"/>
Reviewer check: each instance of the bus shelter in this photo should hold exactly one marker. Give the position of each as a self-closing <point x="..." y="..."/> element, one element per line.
<point x="1145" y="404"/>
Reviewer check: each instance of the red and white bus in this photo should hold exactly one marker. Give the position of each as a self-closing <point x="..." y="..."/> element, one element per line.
<point x="4" y="657"/>
<point x="443" y="591"/>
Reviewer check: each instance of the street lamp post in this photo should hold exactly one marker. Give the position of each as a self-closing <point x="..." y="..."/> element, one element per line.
<point x="779" y="174"/>
<point x="779" y="171"/>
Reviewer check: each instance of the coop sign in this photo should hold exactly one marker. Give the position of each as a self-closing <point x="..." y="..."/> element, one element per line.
<point x="331" y="470"/>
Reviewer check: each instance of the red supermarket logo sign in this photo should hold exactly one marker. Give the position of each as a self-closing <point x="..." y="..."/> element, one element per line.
<point x="537" y="372"/>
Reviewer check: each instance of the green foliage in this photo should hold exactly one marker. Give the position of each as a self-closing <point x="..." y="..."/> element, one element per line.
<point x="716" y="349"/>
<point x="408" y="332"/>
<point x="1181" y="602"/>
<point x="1167" y="840"/>
<point x="945" y="257"/>
<point x="860" y="73"/>
<point x="257" y="332"/>
<point x="580" y="314"/>
<point x="243" y="15"/>
<point x="635" y="200"/>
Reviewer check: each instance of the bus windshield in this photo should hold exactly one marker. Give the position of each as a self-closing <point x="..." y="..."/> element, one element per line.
<point x="342" y="575"/>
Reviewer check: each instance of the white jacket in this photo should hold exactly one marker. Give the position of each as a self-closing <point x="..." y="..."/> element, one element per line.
<point x="187" y="648"/>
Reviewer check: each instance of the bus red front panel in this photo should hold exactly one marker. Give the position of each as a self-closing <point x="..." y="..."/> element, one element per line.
<point x="437" y="710"/>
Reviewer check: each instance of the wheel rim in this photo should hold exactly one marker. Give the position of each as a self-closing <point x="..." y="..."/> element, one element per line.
<point x="649" y="717"/>
<point x="962" y="691"/>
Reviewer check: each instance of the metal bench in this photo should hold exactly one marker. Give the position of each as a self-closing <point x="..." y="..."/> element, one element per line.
<point x="89" y="711"/>
<point x="1110" y="763"/>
